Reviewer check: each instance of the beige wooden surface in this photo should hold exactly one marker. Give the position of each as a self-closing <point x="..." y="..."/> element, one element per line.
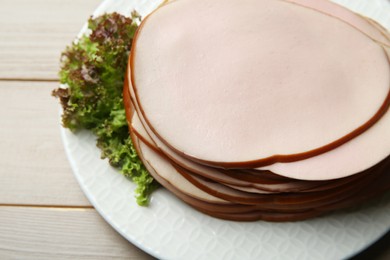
<point x="43" y="212"/>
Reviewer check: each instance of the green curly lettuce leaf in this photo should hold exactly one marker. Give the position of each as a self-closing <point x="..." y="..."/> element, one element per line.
<point x="93" y="70"/>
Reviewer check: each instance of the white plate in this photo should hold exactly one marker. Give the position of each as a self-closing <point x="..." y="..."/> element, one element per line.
<point x="169" y="229"/>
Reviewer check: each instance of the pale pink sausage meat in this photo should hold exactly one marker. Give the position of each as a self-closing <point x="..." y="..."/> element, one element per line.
<point x="279" y="87"/>
<point x="345" y="15"/>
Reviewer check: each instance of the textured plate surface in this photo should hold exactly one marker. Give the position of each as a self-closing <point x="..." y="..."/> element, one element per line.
<point x="169" y="229"/>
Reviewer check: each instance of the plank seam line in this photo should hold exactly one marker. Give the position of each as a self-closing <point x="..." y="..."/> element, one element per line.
<point x="29" y="79"/>
<point x="46" y="206"/>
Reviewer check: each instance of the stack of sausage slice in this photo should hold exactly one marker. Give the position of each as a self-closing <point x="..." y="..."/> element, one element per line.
<point x="262" y="109"/>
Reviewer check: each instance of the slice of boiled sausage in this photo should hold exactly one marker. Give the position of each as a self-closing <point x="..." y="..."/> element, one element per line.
<point x="233" y="84"/>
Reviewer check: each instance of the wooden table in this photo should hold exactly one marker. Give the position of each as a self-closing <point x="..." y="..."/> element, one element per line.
<point x="43" y="212"/>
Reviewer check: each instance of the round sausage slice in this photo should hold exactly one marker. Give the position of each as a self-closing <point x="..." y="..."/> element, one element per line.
<point x="249" y="83"/>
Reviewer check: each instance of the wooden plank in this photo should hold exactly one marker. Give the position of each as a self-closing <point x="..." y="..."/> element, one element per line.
<point x="50" y="233"/>
<point x="33" y="166"/>
<point x="34" y="33"/>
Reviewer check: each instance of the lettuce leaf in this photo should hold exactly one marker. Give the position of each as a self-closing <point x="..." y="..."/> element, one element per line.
<point x="93" y="69"/>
